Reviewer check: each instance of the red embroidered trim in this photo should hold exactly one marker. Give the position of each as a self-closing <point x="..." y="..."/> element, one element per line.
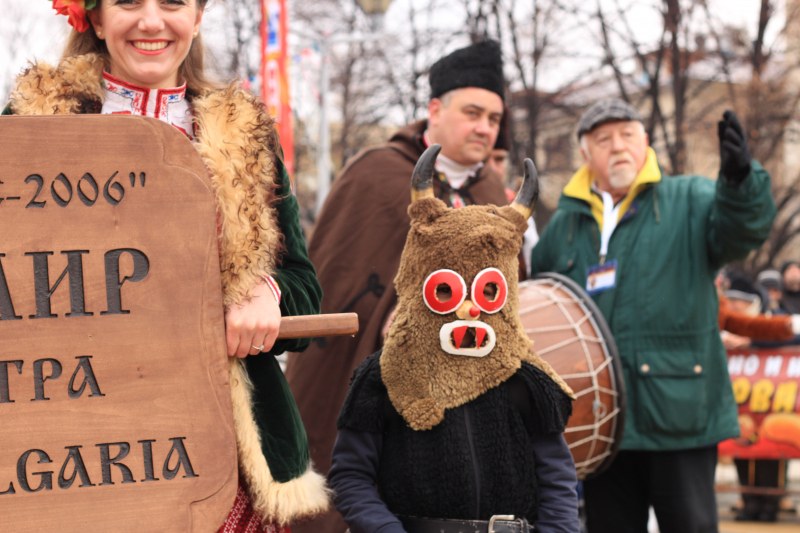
<point x="244" y="519"/>
<point x="273" y="286"/>
<point x="163" y="97"/>
<point x="142" y="94"/>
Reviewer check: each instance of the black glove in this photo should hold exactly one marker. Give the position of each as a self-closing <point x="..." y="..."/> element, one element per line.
<point x="734" y="156"/>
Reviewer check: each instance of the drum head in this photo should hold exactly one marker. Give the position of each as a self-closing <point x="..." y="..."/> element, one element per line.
<point x="569" y="332"/>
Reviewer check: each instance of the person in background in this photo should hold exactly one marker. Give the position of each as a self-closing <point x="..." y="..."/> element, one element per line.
<point x="743" y="324"/>
<point x="145" y="58"/>
<point x="363" y="225"/>
<point x="772" y="281"/>
<point x="498" y="157"/>
<point x="771" y="284"/>
<point x="741" y="313"/>
<point x="790" y="273"/>
<point x="647" y="249"/>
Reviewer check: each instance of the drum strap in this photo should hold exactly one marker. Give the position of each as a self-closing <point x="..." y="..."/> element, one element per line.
<point x="496" y="524"/>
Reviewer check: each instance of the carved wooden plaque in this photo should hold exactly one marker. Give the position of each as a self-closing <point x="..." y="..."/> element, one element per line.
<point x="114" y="388"/>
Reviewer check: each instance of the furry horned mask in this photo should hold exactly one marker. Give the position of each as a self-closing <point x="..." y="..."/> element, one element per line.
<point x="457" y="332"/>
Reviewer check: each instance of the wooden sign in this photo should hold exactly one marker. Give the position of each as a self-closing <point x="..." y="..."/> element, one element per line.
<point x="114" y="391"/>
<point x="765" y="386"/>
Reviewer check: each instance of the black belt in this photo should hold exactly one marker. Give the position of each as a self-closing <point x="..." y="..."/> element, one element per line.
<point x="496" y="524"/>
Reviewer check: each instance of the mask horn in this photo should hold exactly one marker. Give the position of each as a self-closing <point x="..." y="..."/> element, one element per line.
<point x="422" y="178"/>
<point x="528" y="192"/>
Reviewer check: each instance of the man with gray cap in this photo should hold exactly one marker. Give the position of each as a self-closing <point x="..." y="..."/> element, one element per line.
<point x="646" y="247"/>
<point x="363" y="226"/>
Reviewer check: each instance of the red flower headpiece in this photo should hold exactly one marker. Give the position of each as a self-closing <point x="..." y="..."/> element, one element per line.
<point x="75" y="10"/>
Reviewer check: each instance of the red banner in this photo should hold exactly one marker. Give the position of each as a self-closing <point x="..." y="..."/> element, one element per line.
<point x="275" y="73"/>
<point x="765" y="385"/>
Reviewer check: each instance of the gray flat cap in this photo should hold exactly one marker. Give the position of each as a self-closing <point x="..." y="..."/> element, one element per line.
<point x="771" y="279"/>
<point x="608" y="110"/>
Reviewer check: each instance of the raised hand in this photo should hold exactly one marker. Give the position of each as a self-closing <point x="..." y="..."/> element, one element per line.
<point x="733" y="152"/>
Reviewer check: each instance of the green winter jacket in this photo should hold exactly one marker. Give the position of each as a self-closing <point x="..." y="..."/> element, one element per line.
<point x="663" y="310"/>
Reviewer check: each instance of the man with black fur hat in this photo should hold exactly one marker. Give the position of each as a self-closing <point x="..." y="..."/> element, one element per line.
<point x="361" y="230"/>
<point x="647" y="248"/>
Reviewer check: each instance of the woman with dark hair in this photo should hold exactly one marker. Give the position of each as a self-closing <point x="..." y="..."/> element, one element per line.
<point x="145" y="57"/>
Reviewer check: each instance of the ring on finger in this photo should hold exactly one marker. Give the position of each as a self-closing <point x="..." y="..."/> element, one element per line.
<point x="259" y="347"/>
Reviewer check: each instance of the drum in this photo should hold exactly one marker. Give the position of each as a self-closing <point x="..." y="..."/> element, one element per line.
<point x="569" y="332"/>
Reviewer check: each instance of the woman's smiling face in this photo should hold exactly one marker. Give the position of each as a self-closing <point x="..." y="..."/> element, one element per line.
<point x="147" y="40"/>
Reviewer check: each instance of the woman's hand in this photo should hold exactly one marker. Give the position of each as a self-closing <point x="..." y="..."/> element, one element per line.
<point x="252" y="326"/>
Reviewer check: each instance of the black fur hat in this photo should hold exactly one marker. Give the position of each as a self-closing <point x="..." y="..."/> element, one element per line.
<point x="478" y="65"/>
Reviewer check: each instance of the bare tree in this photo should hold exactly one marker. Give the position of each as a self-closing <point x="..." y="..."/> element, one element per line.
<point x="27" y="33"/>
<point x="772" y="113"/>
<point x="407" y="58"/>
<point x="526" y="56"/>
<point x="377" y="76"/>
<point x="234" y="38"/>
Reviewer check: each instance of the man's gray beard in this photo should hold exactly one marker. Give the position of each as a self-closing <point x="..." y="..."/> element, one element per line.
<point x="622" y="178"/>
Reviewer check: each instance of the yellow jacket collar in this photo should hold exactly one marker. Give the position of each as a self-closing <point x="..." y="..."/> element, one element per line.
<point x="580" y="186"/>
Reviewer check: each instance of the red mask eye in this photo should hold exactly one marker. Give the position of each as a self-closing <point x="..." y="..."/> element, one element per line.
<point x="444" y="291"/>
<point x="489" y="290"/>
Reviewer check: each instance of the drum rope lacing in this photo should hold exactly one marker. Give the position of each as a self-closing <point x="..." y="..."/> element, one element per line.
<point x="601" y="414"/>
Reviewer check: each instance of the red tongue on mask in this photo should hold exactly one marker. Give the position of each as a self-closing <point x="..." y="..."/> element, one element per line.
<point x="458" y="335"/>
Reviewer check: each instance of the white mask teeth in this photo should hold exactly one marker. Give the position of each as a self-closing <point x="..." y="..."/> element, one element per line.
<point x="453" y="338"/>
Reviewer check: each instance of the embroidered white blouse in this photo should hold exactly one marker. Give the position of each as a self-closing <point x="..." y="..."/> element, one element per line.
<point x="169" y="105"/>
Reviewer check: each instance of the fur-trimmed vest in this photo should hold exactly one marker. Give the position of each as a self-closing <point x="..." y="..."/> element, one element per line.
<point x="237" y="141"/>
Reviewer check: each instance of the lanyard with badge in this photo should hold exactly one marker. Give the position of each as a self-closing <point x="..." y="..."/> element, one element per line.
<point x="603" y="276"/>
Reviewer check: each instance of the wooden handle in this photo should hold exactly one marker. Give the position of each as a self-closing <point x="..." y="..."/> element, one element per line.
<point x="305" y="326"/>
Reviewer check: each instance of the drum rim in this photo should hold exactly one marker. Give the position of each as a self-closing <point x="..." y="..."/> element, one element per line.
<point x="616" y="363"/>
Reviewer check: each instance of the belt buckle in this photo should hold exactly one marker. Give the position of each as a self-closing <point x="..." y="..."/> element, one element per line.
<point x="506" y="518"/>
